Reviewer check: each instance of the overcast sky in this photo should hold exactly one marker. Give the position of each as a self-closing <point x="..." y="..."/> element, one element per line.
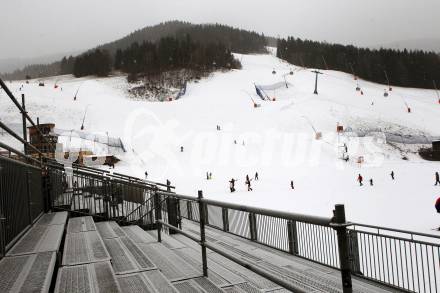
<point x="30" y="28"/>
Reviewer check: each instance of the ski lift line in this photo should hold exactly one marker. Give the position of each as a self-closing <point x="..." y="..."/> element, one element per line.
<point x="310" y="123"/>
<point x="76" y="93"/>
<point x="84" y="117"/>
<point x="139" y="157"/>
<point x="250" y="96"/>
<point x="436" y="89"/>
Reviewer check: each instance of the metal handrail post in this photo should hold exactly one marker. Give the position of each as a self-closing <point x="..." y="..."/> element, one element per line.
<point x="340" y="225"/>
<point x="158" y="212"/>
<point x="2" y="219"/>
<point x="202" y="232"/>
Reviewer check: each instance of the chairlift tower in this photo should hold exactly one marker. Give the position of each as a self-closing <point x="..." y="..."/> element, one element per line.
<point x="316" y="80"/>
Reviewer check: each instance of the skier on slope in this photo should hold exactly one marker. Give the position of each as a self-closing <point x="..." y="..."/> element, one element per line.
<point x="256" y="176"/>
<point x="146" y="174"/>
<point x="248" y="183"/>
<point x="392" y="175"/>
<point x="360" y="179"/>
<point x="291" y="184"/>
<point x="437" y="178"/>
<point x="371" y="182"/>
<point x="232" y="185"/>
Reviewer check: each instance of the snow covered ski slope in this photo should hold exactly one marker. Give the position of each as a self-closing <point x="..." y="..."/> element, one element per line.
<point x="277" y="139"/>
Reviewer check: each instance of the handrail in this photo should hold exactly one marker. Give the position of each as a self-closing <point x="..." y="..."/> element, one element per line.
<point x="149" y="212"/>
<point x="16" y="136"/>
<point x="22" y="111"/>
<point x="18" y="162"/>
<point x="136" y="209"/>
<point x="393" y="230"/>
<point x="143" y="180"/>
<point x="245" y="264"/>
<point x="322" y="221"/>
<point x="17" y="152"/>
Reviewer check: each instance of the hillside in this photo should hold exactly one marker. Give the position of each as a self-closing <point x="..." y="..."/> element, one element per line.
<point x="276" y="139"/>
<point x="234" y="39"/>
<point x="237" y="40"/>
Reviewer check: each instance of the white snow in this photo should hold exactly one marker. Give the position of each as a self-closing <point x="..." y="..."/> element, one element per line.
<point x="278" y="139"/>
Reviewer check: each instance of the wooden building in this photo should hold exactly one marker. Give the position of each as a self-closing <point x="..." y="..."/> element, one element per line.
<point x="45" y="142"/>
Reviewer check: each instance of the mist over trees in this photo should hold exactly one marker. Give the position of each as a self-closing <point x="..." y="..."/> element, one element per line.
<point x="237" y="40"/>
<point x="403" y="68"/>
<point x="205" y="36"/>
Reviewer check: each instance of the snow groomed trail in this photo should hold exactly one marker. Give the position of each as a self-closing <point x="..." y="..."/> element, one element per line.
<point x="276" y="139"/>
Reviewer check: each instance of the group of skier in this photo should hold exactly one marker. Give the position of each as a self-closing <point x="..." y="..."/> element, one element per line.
<point x="247" y="182"/>
<point x="360" y="179"/>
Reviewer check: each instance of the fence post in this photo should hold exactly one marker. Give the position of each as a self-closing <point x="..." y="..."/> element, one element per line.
<point x="340" y="225"/>
<point x="202" y="207"/>
<point x="158" y="212"/>
<point x="2" y="218"/>
<point x="189" y="209"/>
<point x="23" y="115"/>
<point x="253" y="226"/>
<point x="106" y="197"/>
<point x="206" y="214"/>
<point x="292" y="233"/>
<point x="172" y="209"/>
<point x="354" y="252"/>
<point x="28" y="192"/>
<point x="225" y="217"/>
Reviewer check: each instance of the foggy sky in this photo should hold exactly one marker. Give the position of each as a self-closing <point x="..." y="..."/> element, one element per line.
<point x="30" y="28"/>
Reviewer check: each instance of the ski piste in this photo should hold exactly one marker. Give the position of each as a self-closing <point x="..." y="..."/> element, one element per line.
<point x="321" y="178"/>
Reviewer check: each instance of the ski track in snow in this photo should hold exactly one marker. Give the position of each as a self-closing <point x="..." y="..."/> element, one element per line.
<point x="155" y="131"/>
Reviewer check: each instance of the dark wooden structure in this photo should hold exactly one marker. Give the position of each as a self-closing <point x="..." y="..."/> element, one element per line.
<point x="431" y="154"/>
<point x="45" y="143"/>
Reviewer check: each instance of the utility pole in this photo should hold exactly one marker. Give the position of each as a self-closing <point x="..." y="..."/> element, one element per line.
<point x="325" y="63"/>
<point x="436" y="90"/>
<point x="388" y="81"/>
<point x="352" y="70"/>
<point x="316" y="81"/>
<point x="23" y="105"/>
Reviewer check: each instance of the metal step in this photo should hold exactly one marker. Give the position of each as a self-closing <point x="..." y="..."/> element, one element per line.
<point x="167" y="240"/>
<point x="83" y="248"/>
<point x="81" y="224"/>
<point x="151" y="281"/>
<point x="171" y="265"/>
<point x="126" y="256"/>
<point x="109" y="230"/>
<point x="217" y="274"/>
<point x="39" y="238"/>
<point x="27" y="273"/>
<point x="138" y="235"/>
<point x="96" y="277"/>
<point x="200" y="284"/>
<point x="59" y="218"/>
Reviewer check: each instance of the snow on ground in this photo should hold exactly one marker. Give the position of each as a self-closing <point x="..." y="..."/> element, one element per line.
<point x="276" y="139"/>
